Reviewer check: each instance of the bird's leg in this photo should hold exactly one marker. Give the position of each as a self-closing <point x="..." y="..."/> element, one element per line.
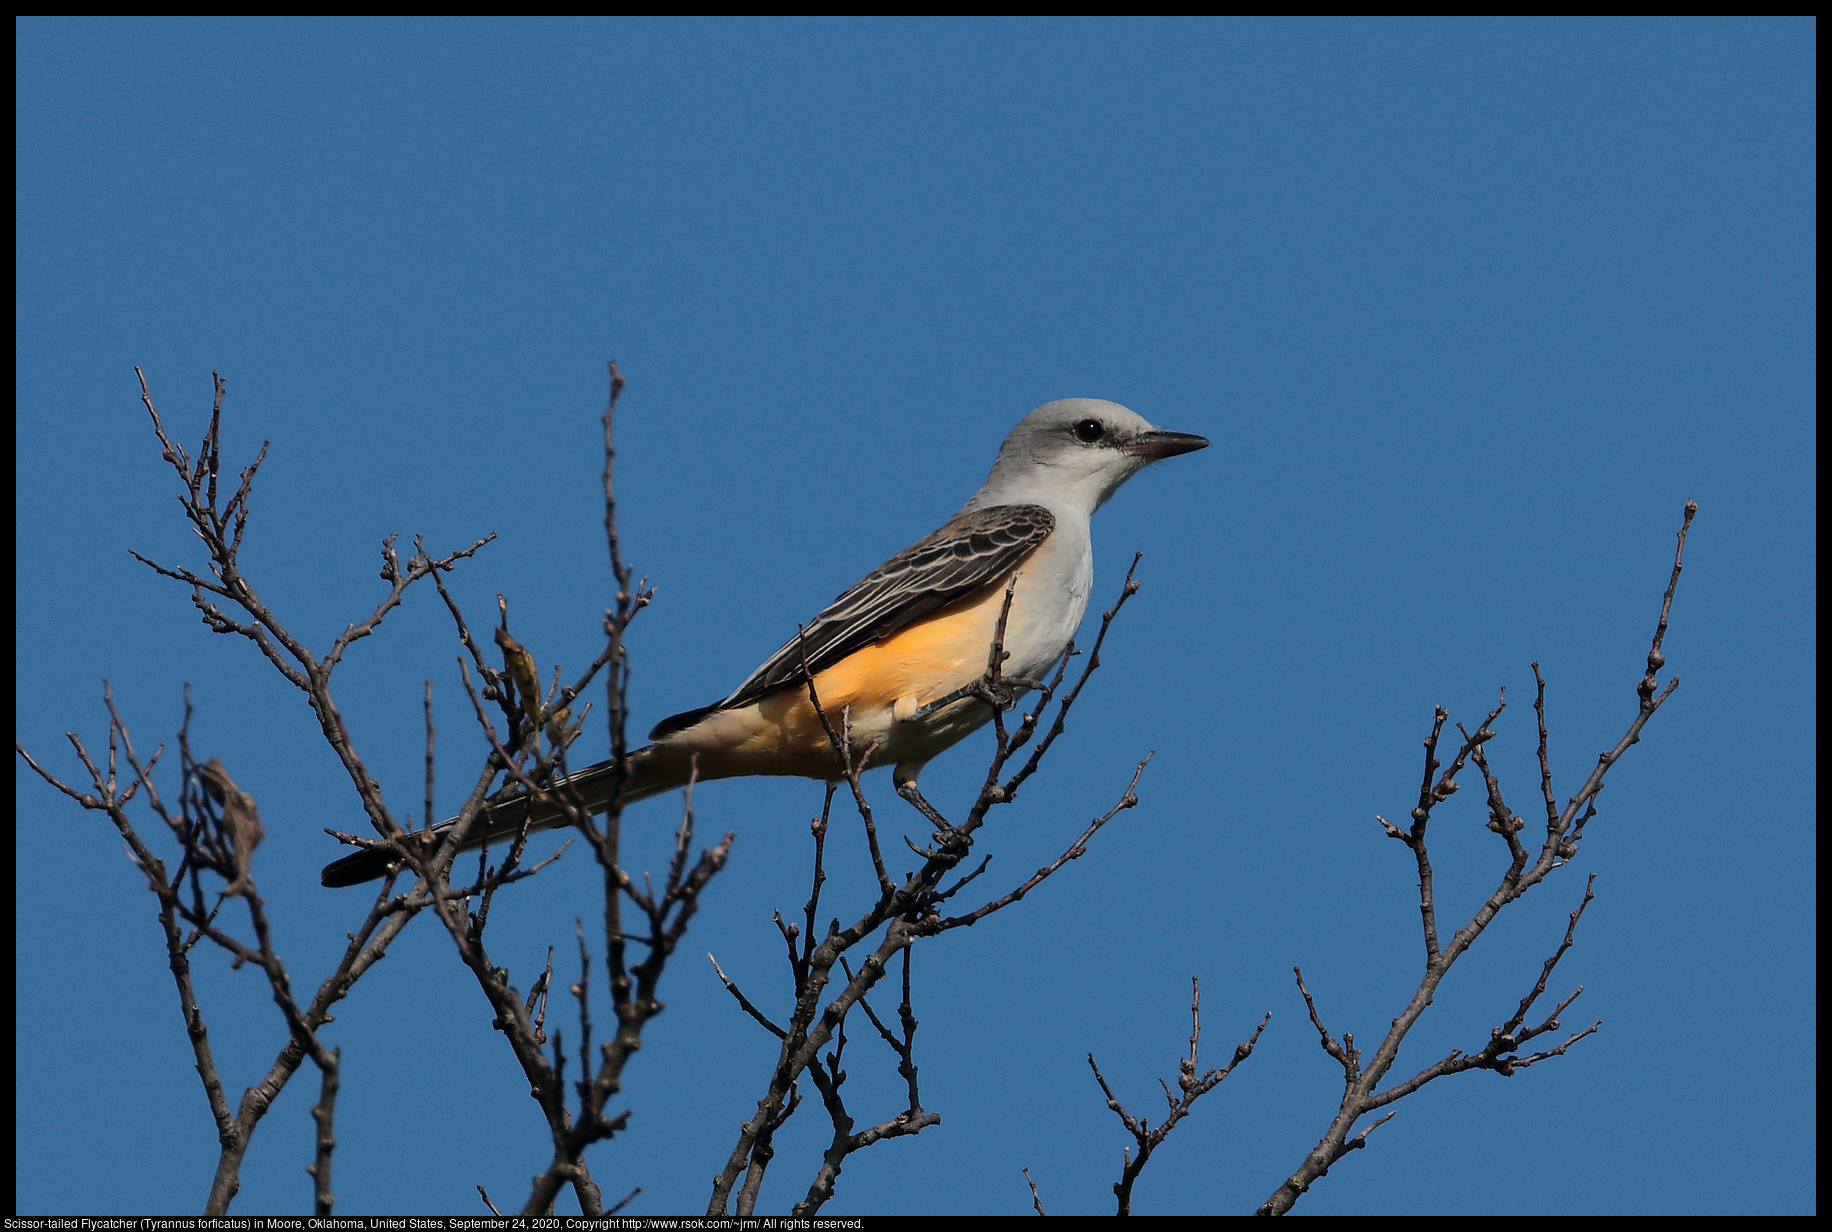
<point x="909" y="791"/>
<point x="947" y="834"/>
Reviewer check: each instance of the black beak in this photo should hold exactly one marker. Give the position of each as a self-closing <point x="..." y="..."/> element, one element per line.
<point x="1158" y="443"/>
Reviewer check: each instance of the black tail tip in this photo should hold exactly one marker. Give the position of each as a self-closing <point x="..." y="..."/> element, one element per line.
<point x="366" y="865"/>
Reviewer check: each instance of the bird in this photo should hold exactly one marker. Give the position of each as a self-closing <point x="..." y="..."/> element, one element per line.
<point x="895" y="651"/>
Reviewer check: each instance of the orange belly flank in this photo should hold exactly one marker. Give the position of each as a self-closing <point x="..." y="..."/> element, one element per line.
<point x="782" y="734"/>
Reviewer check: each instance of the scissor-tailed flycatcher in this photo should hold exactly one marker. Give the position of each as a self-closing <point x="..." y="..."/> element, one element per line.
<point x="906" y="637"/>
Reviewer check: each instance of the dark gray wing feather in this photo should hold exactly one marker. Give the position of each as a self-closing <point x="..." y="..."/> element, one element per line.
<point x="971" y="551"/>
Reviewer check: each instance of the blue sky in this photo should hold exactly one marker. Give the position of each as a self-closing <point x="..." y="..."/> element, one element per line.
<point x="1469" y="310"/>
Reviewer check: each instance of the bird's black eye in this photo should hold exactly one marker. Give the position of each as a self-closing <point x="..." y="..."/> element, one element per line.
<point x="1089" y="430"/>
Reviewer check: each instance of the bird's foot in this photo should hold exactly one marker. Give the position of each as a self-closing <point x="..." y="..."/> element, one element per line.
<point x="1001" y="695"/>
<point x="947" y="836"/>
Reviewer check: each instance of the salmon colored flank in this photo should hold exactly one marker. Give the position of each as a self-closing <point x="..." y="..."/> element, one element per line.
<point x="783" y="734"/>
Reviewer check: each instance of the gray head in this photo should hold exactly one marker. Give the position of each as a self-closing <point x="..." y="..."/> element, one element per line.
<point x="1076" y="452"/>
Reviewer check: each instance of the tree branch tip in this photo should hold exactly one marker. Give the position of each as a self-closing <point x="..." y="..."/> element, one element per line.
<point x="1361" y="1139"/>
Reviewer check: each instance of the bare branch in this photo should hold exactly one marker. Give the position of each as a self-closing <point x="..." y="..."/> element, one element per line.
<point x="323" y="1113"/>
<point x="744" y="1002"/>
<point x="1564" y="829"/>
<point x="1128" y="799"/>
<point x="1035" y="1200"/>
<point x="1347" y="1057"/>
<point x="1193" y="1087"/>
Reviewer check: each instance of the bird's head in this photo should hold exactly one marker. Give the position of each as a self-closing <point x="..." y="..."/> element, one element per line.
<point x="1078" y="451"/>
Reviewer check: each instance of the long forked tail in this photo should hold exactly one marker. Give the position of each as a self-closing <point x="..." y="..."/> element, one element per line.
<point x="502" y="820"/>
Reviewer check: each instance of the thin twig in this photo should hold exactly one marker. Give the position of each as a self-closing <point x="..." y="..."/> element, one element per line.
<point x="1036" y="1201"/>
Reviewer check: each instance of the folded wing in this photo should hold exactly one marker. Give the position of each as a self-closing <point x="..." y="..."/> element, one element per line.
<point x="971" y="551"/>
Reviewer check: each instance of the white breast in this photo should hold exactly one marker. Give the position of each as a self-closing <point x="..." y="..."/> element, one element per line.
<point x="1051" y="598"/>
